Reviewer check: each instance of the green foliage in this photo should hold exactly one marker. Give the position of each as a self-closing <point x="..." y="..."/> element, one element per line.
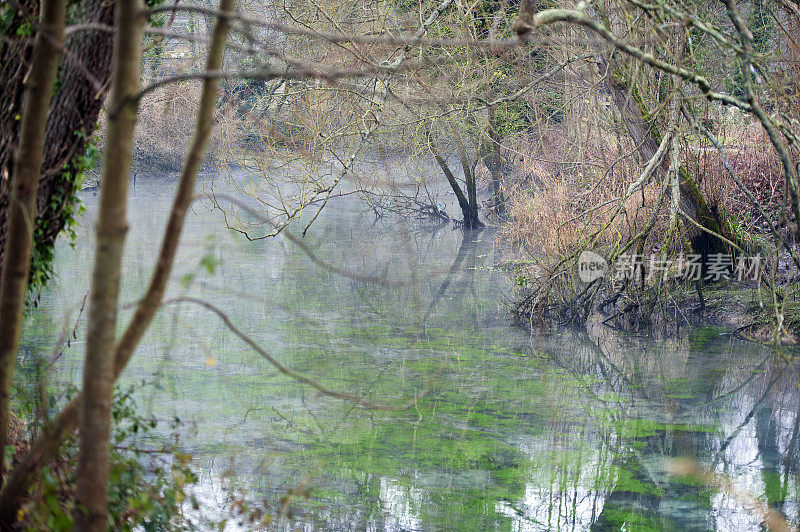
<point x="6" y="18"/>
<point x="25" y="29"/>
<point x="142" y="496"/>
<point x="14" y="22"/>
<point x="737" y="226"/>
<point x="414" y="6"/>
<point x="511" y="118"/>
<point x="153" y="54"/>
<point x="147" y="487"/>
<point x="10" y="23"/>
<point x="65" y="208"/>
<point x="762" y="26"/>
<point x="208" y="263"/>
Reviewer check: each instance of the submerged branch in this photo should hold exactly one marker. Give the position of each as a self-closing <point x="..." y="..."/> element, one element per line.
<point x="305" y="379"/>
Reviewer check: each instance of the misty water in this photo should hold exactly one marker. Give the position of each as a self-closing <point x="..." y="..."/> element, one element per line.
<point x="570" y="430"/>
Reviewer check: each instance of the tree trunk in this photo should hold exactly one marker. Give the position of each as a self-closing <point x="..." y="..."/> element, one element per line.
<point x="146" y="309"/>
<point x="646" y="135"/>
<point x="471" y="221"/>
<point x="24" y="185"/>
<point x="83" y="74"/>
<point x="494" y="163"/>
<point x="463" y="202"/>
<point x="98" y="370"/>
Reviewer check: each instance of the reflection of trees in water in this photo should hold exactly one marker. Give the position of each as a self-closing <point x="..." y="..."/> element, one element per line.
<point x="587" y="451"/>
<point x="678" y="393"/>
<point x="464" y="290"/>
<point x="618" y="409"/>
<point x="438" y="266"/>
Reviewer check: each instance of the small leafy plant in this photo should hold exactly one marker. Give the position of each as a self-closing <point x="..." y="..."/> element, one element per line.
<point x="149" y="480"/>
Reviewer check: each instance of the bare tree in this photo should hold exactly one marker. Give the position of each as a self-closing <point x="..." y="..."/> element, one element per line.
<point x="656" y="80"/>
<point x="415" y="83"/>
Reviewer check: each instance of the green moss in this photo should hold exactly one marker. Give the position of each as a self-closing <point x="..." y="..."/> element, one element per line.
<point x="627" y="482"/>
<point x="644" y="428"/>
<point x="630" y="519"/>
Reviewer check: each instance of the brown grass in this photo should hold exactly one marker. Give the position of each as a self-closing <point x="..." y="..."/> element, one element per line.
<point x="165" y="126"/>
<point x="755" y="163"/>
<point x="556" y="207"/>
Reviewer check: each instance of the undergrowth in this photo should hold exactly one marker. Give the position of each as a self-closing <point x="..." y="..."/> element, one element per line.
<point x="149" y="480"/>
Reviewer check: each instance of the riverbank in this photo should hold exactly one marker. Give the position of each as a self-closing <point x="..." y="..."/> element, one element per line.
<point x="747" y="312"/>
<point x="750" y="314"/>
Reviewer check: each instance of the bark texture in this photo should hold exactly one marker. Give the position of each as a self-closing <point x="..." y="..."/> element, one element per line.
<point x="112" y="225"/>
<point x="493" y="160"/>
<point x="646" y="135"/>
<point x="22" y="201"/>
<point x="84" y="73"/>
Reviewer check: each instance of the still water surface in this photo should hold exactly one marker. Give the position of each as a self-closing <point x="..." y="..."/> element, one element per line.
<point x="572" y="430"/>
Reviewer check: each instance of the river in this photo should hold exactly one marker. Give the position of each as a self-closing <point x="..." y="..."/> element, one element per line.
<point x="570" y="430"/>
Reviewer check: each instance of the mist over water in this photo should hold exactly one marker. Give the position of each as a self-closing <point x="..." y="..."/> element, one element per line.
<point x="572" y="429"/>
